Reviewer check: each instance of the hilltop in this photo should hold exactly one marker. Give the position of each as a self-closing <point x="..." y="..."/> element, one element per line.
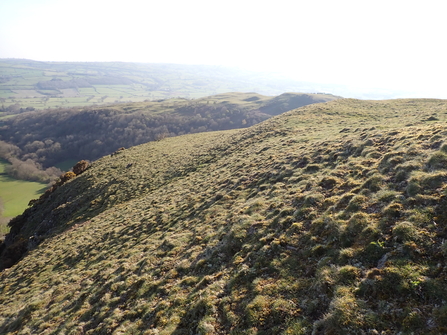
<point x="328" y="219"/>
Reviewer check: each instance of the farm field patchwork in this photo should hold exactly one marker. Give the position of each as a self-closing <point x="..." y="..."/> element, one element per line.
<point x="26" y="83"/>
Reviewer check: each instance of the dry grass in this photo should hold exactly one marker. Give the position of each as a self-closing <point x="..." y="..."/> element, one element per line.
<point x="329" y="219"/>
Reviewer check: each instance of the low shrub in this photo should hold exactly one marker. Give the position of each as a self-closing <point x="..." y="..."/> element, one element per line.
<point x="344" y="313"/>
<point x="374" y="183"/>
<point x="437" y="161"/>
<point x="443" y="148"/>
<point x="326" y="227"/>
<point x="408" y="166"/>
<point x="313" y="199"/>
<point x="66" y="177"/>
<point x="441" y="316"/>
<point x="414" y="321"/>
<point x="80" y="167"/>
<point x="13" y="253"/>
<point x="312" y="168"/>
<point x="358" y="222"/>
<point x="373" y="252"/>
<point x="393" y="210"/>
<point x="404" y="231"/>
<point x="329" y="182"/>
<point x="348" y="274"/>
<point x="357" y="203"/>
<point x="433" y="180"/>
<point x="344" y="200"/>
<point x="325" y="279"/>
<point x="413" y="188"/>
<point x="390" y="160"/>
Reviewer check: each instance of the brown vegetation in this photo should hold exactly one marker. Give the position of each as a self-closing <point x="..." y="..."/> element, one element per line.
<point x="80" y="167"/>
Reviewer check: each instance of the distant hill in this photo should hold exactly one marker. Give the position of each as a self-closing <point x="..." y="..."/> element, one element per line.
<point x="32" y="84"/>
<point x="57" y="135"/>
<point x="328" y="219"/>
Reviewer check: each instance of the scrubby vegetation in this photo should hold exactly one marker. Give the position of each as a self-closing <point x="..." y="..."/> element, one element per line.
<point x="329" y="219"/>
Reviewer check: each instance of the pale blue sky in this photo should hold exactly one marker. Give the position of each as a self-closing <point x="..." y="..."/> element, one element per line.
<point x="384" y="44"/>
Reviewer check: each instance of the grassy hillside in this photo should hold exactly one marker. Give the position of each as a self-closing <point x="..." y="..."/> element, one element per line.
<point x="329" y="219"/>
<point x="54" y="136"/>
<point x="31" y="84"/>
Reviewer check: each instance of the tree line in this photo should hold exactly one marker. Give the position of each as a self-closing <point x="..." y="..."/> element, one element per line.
<point x="51" y="136"/>
<point x="58" y="84"/>
<point x="26" y="169"/>
<point x="36" y="141"/>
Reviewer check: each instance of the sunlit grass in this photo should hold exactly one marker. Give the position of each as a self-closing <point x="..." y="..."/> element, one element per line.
<point x="16" y="194"/>
<point x="293" y="226"/>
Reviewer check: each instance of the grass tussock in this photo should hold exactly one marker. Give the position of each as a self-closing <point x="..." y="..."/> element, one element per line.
<point x="324" y="220"/>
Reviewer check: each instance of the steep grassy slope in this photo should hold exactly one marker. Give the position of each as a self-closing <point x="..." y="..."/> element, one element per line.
<point x="329" y="219"/>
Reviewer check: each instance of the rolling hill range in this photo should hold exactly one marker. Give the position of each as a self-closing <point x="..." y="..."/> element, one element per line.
<point x="57" y="135"/>
<point x="328" y="219"/>
<point x="32" y="84"/>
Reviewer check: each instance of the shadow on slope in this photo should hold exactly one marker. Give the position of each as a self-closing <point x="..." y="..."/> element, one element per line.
<point x="328" y="219"/>
<point x="110" y="181"/>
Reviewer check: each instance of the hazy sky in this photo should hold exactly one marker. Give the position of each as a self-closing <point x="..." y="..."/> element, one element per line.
<point x="385" y="44"/>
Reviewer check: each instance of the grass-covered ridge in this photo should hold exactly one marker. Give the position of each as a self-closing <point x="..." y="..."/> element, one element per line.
<point x="329" y="219"/>
<point x="54" y="136"/>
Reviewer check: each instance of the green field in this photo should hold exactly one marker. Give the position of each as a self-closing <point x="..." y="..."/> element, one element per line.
<point x="15" y="194"/>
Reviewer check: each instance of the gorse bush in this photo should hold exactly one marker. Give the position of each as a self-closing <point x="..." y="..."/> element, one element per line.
<point x="80" y="167"/>
<point x="66" y="177"/>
